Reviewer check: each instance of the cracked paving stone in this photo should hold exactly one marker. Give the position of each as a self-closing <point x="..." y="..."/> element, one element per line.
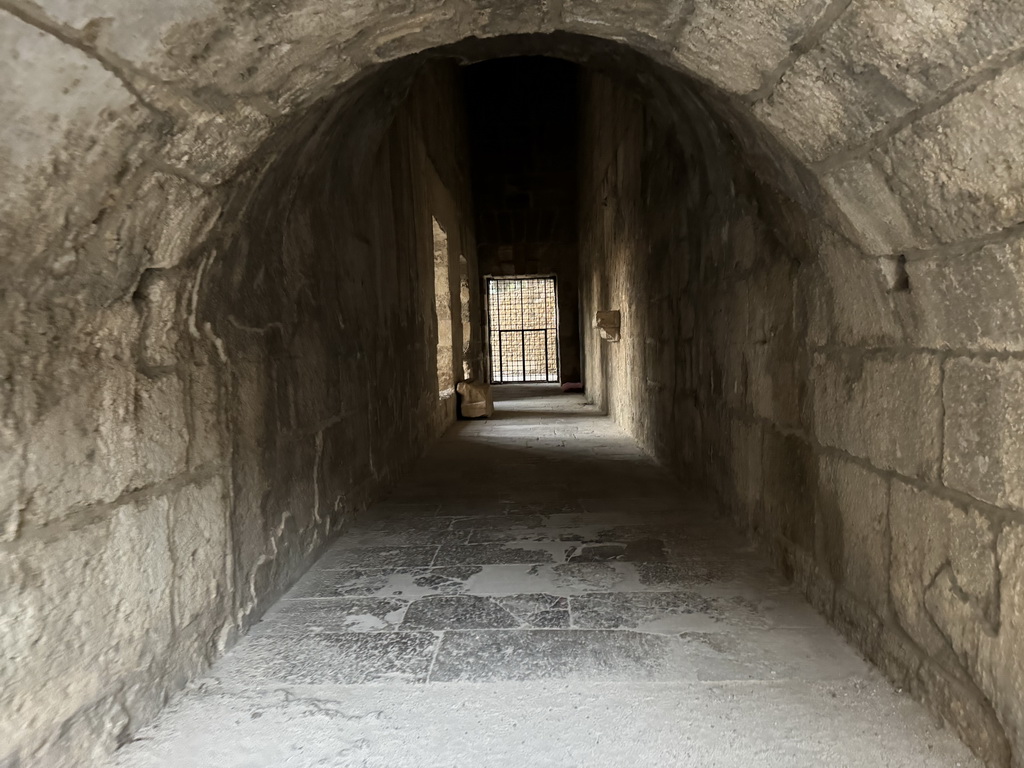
<point x="490" y="554"/>
<point x="383" y="582"/>
<point x="595" y="655"/>
<point x="331" y="658"/>
<point x="355" y="614"/>
<point x="341" y="556"/>
<point x="392" y="652"/>
<point x="647" y="611"/>
<point x="458" y="612"/>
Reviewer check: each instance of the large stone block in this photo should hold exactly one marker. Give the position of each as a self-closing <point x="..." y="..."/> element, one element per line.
<point x="958" y="590"/>
<point x="199" y="546"/>
<point x="852" y="529"/>
<point x="207" y="437"/>
<point x="973" y="301"/>
<point x="789" y="481"/>
<point x="858" y="306"/>
<point x="882" y="59"/>
<point x="114" y="432"/>
<point x="54" y="174"/>
<point x="882" y="407"/>
<point x="746" y="468"/>
<point x="737" y="43"/>
<point x="774" y="364"/>
<point x="960" y="169"/>
<point x="162" y="437"/>
<point x="91" y="436"/>
<point x="872" y="214"/>
<point x="1000" y="658"/>
<point x="654" y="18"/>
<point x="984" y="444"/>
<point x="79" y="614"/>
<point x="941" y="552"/>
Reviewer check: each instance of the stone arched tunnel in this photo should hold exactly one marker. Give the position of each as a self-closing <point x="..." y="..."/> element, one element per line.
<point x="220" y="338"/>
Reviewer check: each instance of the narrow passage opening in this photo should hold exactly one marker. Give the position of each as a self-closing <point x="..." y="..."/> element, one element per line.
<point x="524" y="131"/>
<point x="443" y="311"/>
<point x="523" y="329"/>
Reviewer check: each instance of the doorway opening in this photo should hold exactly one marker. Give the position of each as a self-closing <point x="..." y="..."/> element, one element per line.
<point x="443" y="312"/>
<point x="522" y="317"/>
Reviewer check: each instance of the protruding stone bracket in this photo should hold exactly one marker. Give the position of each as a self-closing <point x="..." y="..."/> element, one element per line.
<point x="608" y="322"/>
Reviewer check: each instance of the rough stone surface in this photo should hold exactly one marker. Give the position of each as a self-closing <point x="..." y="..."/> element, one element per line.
<point x="881" y="60"/>
<point x="958" y="169"/>
<point x="415" y="663"/>
<point x="216" y="223"/>
<point x="813" y="375"/>
<point x="984" y="449"/>
<point x="873" y="213"/>
<point x="881" y="408"/>
<point x="737" y="44"/>
<point x="853" y="527"/>
<point x="951" y="588"/>
<point x="972" y="301"/>
<point x="182" y="442"/>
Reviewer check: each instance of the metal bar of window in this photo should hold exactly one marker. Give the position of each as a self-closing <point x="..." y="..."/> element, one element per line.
<point x="523" y="329"/>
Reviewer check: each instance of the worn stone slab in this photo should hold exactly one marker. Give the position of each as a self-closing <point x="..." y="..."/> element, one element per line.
<point x="973" y="301"/>
<point x="879" y="61"/>
<point x="494" y="554"/>
<point x="884" y="408"/>
<point x="958" y="169"/>
<point x="460" y="612"/>
<point x="383" y="582"/>
<point x="853" y="529"/>
<point x="342" y="556"/>
<point x="339" y="614"/>
<point x="737" y="43"/>
<point x="597" y="655"/>
<point x="300" y="657"/>
<point x="984" y="446"/>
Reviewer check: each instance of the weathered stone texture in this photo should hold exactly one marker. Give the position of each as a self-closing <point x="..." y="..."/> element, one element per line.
<point x="736" y="44"/>
<point x="185" y="436"/>
<point x="958" y="170"/>
<point x="853" y="529"/>
<point x="973" y="301"/>
<point x="853" y="304"/>
<point x="957" y="595"/>
<point x="880" y="60"/>
<point x="984" y="444"/>
<point x="158" y="322"/>
<point x="82" y="618"/>
<point x="66" y="120"/>
<point x="882" y="408"/>
<point x="167" y="216"/>
<point x="655" y="18"/>
<point x="872" y="213"/>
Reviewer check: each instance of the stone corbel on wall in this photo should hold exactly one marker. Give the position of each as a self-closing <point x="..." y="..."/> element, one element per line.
<point x="608" y="322"/>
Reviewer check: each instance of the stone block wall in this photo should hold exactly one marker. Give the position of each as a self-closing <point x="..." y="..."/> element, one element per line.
<point x="187" y="418"/>
<point x="860" y="416"/>
<point x="884" y="145"/>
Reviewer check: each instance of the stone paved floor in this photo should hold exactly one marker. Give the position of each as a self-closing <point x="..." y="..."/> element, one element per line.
<point x="539" y="594"/>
